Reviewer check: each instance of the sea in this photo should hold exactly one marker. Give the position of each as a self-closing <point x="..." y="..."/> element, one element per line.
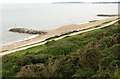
<point x="46" y="17"/>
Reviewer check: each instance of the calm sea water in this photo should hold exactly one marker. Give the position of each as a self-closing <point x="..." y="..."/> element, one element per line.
<point x="47" y="16"/>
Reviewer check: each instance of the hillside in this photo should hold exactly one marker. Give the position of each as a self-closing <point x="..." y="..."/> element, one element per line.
<point x="91" y="54"/>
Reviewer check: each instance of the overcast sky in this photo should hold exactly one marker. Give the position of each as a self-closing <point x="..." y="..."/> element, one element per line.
<point x="48" y="1"/>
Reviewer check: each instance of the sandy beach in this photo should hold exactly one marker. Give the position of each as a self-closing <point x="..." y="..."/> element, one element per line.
<point x="51" y="33"/>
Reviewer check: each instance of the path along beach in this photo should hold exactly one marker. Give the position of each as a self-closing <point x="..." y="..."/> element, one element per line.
<point x="52" y="33"/>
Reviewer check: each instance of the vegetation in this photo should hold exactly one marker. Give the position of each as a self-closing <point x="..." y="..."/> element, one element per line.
<point x="51" y="38"/>
<point x="91" y="54"/>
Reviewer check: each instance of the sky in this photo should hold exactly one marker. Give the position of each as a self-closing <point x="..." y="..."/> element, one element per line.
<point x="49" y="1"/>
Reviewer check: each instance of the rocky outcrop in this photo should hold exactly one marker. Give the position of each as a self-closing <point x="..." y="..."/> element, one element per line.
<point x="25" y="30"/>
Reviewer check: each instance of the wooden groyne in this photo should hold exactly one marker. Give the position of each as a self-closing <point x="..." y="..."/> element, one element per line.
<point x="25" y="30"/>
<point x="108" y="15"/>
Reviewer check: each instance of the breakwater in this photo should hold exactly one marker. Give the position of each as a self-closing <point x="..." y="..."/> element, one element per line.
<point x="27" y="31"/>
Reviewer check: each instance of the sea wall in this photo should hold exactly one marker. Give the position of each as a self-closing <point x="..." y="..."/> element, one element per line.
<point x="25" y="30"/>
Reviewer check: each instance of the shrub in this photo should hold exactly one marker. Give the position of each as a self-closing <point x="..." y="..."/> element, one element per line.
<point x="84" y="73"/>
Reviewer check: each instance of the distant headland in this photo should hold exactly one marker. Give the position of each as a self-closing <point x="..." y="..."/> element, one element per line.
<point x="85" y="2"/>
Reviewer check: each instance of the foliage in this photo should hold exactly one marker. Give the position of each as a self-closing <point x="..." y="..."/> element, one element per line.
<point x="91" y="54"/>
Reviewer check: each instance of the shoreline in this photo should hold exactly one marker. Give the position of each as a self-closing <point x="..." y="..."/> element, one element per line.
<point x="27" y="38"/>
<point x="54" y="32"/>
<point x="35" y="35"/>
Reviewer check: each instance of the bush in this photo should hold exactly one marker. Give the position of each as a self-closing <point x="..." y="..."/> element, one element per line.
<point x="89" y="58"/>
<point x="84" y="73"/>
<point x="31" y="71"/>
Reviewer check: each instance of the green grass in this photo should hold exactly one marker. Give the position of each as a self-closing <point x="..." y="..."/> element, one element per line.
<point x="36" y="48"/>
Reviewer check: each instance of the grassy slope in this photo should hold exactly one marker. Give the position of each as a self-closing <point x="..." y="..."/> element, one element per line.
<point x="91" y="54"/>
